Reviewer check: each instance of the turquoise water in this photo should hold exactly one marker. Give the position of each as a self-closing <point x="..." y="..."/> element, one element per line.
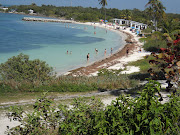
<point x="50" y="41"/>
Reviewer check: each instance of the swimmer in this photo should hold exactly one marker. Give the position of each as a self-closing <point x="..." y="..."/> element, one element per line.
<point x="96" y="50"/>
<point x="88" y="57"/>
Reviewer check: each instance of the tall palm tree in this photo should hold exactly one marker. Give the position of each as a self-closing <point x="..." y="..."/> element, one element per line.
<point x="157" y="9"/>
<point x="103" y="3"/>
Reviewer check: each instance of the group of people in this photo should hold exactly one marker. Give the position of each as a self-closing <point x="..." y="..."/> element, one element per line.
<point x="96" y="51"/>
<point x="105" y="51"/>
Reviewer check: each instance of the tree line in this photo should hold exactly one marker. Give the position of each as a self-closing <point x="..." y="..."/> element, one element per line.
<point x="87" y="14"/>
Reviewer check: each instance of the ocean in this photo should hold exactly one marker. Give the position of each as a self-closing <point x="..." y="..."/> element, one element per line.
<point x="49" y="41"/>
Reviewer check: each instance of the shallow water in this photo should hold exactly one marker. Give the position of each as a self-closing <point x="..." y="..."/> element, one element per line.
<point x="50" y="41"/>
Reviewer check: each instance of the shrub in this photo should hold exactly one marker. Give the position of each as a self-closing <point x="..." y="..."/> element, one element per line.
<point x="126" y="115"/>
<point x="20" y="68"/>
<point x="154" y="45"/>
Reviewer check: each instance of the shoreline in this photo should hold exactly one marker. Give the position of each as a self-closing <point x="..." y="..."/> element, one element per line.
<point x="109" y="60"/>
<point x="112" y="60"/>
<point x="122" y="34"/>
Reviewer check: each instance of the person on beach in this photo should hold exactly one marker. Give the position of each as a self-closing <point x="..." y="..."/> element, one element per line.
<point x="127" y="51"/>
<point x="88" y="57"/>
<point x="105" y="52"/>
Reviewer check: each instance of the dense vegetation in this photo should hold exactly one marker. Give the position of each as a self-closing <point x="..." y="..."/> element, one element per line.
<point x="88" y="14"/>
<point x="141" y="115"/>
<point x="144" y="114"/>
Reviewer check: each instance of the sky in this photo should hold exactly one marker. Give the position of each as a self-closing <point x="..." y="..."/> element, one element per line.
<point x="172" y="6"/>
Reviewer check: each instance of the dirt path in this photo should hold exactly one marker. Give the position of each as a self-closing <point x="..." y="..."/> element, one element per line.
<point x="59" y="97"/>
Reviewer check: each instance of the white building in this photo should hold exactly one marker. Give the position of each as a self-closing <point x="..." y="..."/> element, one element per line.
<point x="129" y="23"/>
<point x="31" y="11"/>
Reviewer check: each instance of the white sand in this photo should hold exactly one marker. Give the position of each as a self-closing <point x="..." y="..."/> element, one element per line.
<point x="132" y="56"/>
<point x="4" y="122"/>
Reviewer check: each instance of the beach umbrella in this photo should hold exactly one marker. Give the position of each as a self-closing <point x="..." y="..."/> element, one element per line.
<point x="106" y="21"/>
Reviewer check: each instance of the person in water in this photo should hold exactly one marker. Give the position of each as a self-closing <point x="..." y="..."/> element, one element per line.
<point x="88" y="57"/>
<point x="96" y="50"/>
<point x="105" y="52"/>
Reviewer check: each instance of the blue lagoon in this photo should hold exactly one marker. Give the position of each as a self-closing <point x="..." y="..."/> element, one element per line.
<point x="50" y="42"/>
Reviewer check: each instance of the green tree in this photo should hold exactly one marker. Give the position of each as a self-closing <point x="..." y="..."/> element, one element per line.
<point x="156" y="9"/>
<point x="20" y="68"/>
<point x="103" y="3"/>
<point x="127" y="14"/>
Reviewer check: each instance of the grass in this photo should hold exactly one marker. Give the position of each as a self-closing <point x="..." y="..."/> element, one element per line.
<point x="143" y="64"/>
<point x="70" y="84"/>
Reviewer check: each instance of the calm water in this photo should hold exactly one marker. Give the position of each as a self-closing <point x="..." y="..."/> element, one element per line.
<point x="50" y="41"/>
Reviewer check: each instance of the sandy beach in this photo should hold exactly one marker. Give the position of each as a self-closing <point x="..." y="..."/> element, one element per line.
<point x="118" y="60"/>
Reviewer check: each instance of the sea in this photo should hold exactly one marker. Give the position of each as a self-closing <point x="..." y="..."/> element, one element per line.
<point x="49" y="41"/>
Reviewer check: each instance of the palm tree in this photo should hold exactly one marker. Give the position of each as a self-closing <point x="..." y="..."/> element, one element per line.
<point x="157" y="10"/>
<point x="128" y="14"/>
<point x="103" y="3"/>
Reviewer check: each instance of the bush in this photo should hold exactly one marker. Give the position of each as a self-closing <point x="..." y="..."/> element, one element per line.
<point x="20" y="68"/>
<point x="141" y="115"/>
<point x="154" y="45"/>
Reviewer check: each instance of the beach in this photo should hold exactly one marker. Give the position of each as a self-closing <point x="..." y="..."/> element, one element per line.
<point x="117" y="60"/>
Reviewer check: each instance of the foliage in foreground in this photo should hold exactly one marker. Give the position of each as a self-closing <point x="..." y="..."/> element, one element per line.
<point x="168" y="61"/>
<point x="141" y="115"/>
